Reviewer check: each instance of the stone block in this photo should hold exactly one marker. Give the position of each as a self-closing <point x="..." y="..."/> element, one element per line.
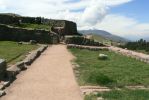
<point x="2" y="93"/>
<point x="21" y="65"/>
<point x="13" y="71"/>
<point x="3" y="66"/>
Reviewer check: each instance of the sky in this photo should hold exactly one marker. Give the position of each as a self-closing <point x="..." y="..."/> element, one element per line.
<point x="126" y="18"/>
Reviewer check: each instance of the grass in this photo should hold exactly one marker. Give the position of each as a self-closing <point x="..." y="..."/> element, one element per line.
<point x="105" y="41"/>
<point x="121" y="95"/>
<point x="116" y="71"/>
<point x="100" y="38"/>
<point x="13" y="52"/>
<point x="34" y="26"/>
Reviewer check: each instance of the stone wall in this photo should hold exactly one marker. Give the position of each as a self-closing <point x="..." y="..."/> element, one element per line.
<point x="8" y="33"/>
<point x="70" y="28"/>
<point x="7" y="19"/>
<point x="15" y="19"/>
<point x="7" y="76"/>
<point x="136" y="55"/>
<point x="22" y="65"/>
<point x="2" y="68"/>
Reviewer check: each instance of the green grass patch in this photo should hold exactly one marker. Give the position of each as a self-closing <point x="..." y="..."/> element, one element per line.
<point x="13" y="52"/>
<point x="116" y="71"/>
<point x="121" y="95"/>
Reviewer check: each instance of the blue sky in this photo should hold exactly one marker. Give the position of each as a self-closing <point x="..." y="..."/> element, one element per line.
<point x="138" y="9"/>
<point x="126" y="18"/>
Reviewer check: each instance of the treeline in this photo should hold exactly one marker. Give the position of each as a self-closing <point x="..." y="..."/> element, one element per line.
<point x="138" y="45"/>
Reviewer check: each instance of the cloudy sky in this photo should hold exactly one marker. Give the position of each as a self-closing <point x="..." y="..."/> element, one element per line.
<point x="127" y="18"/>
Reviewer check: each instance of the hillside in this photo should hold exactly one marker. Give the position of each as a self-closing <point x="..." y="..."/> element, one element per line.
<point x="103" y="35"/>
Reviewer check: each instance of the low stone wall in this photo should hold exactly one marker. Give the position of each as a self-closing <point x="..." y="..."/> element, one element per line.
<point x="3" y="66"/>
<point x="81" y="40"/>
<point x="9" y="33"/>
<point x="11" y="72"/>
<point x="139" y="56"/>
<point x="18" y="67"/>
<point x="93" y="48"/>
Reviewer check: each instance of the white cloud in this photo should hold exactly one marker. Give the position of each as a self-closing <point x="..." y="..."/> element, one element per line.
<point x="92" y="14"/>
<point x="124" y="26"/>
<point x="116" y="2"/>
<point x="95" y="9"/>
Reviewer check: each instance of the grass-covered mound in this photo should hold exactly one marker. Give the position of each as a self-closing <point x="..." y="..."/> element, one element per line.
<point x="116" y="71"/>
<point x="13" y="52"/>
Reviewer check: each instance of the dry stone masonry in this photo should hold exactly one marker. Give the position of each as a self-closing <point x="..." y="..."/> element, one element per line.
<point x="9" y="31"/>
<point x="10" y="73"/>
<point x="3" y="66"/>
<point x="18" y="67"/>
<point x="93" y="48"/>
<point x="129" y="53"/>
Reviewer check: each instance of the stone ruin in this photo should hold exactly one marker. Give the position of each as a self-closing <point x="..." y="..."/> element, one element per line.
<point x="9" y="32"/>
<point x="3" y="67"/>
<point x="69" y="27"/>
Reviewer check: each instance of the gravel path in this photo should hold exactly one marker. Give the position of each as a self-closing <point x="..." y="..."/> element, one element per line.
<point x="50" y="77"/>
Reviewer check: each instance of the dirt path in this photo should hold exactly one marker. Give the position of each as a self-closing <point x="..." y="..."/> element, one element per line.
<point x="50" y="77"/>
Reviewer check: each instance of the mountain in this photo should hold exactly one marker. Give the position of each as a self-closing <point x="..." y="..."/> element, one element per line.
<point x="104" y="34"/>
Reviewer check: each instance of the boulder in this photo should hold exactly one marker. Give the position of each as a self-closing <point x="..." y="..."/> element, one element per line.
<point x="2" y="93"/>
<point x="13" y="71"/>
<point x="102" y="57"/>
<point x="21" y="65"/>
<point x="2" y="86"/>
<point x="30" y="58"/>
<point x="33" y="42"/>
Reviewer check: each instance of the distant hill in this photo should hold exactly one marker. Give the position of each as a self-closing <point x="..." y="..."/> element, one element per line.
<point x="104" y="35"/>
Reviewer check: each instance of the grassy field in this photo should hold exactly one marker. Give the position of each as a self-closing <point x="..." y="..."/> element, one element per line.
<point x="34" y="26"/>
<point x="121" y="95"/>
<point x="13" y="52"/>
<point x="116" y="71"/>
